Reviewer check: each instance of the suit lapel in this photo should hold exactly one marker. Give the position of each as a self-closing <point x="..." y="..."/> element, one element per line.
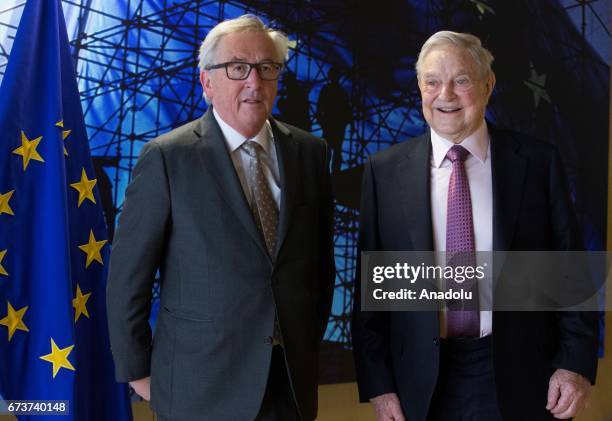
<point x="508" y="169"/>
<point x="413" y="178"/>
<point x="217" y="161"/>
<point x="413" y="175"/>
<point x="287" y="155"/>
<point x="508" y="175"/>
<point x="508" y="172"/>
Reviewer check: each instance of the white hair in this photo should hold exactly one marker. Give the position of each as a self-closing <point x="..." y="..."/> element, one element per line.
<point x="244" y="23"/>
<point x="468" y="42"/>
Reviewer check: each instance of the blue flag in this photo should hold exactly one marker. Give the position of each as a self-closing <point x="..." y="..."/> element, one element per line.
<point x="53" y="239"/>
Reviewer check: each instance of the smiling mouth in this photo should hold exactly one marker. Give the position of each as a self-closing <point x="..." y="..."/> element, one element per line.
<point x="448" y="110"/>
<point x="251" y="101"/>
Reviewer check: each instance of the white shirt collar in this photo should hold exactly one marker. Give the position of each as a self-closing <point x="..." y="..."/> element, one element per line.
<point x="235" y="140"/>
<point x="477" y="144"/>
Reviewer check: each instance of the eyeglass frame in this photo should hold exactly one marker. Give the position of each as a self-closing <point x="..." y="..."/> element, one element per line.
<point x="251" y="66"/>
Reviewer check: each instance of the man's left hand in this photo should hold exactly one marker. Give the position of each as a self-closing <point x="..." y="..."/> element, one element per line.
<point x="568" y="394"/>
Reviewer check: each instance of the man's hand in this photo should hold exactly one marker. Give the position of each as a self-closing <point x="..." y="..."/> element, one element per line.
<point x="387" y="407"/>
<point x="142" y="387"/>
<point x="568" y="394"/>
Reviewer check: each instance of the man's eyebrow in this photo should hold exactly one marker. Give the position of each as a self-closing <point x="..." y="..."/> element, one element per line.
<point x="461" y="72"/>
<point x="239" y="58"/>
<point x="430" y="74"/>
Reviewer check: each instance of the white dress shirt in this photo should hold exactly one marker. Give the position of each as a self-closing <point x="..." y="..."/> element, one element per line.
<point x="478" y="169"/>
<point x="241" y="159"/>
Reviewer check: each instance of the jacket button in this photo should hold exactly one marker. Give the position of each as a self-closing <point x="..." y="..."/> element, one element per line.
<point x="436" y="341"/>
<point x="268" y="340"/>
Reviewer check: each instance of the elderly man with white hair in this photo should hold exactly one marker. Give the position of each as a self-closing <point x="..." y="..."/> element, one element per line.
<point x="467" y="186"/>
<point x="235" y="212"/>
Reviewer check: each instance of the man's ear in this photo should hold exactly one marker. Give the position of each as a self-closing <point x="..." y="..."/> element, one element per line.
<point x="206" y="83"/>
<point x="490" y="84"/>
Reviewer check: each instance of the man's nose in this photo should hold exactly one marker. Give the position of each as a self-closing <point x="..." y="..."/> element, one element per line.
<point x="447" y="91"/>
<point x="253" y="79"/>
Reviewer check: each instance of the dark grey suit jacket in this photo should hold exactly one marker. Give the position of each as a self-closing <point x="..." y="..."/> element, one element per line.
<point x="398" y="352"/>
<point x="185" y="215"/>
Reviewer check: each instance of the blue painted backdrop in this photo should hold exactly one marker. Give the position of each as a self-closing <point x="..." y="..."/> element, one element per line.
<point x="136" y="64"/>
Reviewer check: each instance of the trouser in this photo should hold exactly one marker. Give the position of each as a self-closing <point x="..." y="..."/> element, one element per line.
<point x="278" y="403"/>
<point x="466" y="385"/>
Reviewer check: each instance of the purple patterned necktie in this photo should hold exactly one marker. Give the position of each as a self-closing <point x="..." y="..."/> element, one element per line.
<point x="463" y="318"/>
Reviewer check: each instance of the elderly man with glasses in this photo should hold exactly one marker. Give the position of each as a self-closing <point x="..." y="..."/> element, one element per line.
<point x="235" y="212"/>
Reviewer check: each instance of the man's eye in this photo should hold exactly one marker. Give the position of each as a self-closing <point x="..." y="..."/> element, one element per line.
<point x="431" y="83"/>
<point x="462" y="81"/>
<point x="265" y="67"/>
<point x="238" y="67"/>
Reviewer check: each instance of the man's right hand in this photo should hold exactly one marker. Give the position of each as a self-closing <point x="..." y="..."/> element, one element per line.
<point x="142" y="387"/>
<point x="387" y="407"/>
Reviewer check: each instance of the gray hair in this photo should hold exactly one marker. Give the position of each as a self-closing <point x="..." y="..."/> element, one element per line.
<point x="467" y="42"/>
<point x="244" y="23"/>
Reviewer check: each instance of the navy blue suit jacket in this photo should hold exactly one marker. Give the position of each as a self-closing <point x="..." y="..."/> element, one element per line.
<point x="399" y="351"/>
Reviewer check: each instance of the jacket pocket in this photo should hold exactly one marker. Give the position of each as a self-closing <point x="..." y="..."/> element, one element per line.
<point x="187" y="315"/>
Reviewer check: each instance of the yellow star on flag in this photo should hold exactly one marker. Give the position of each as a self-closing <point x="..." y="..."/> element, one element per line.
<point x="28" y="151"/>
<point x="79" y="302"/>
<point x="92" y="248"/>
<point x="14" y="320"/>
<point x="58" y="357"/>
<point x="65" y="134"/>
<point x="2" y="270"/>
<point x="85" y="188"/>
<point x="4" y="203"/>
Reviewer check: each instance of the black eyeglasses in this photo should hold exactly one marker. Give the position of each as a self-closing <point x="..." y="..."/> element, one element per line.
<point x="240" y="70"/>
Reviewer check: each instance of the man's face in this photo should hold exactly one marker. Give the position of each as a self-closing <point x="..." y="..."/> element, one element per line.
<point x="453" y="93"/>
<point x="243" y="104"/>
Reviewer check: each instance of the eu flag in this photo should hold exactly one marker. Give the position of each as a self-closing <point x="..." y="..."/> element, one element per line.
<point x="53" y="238"/>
